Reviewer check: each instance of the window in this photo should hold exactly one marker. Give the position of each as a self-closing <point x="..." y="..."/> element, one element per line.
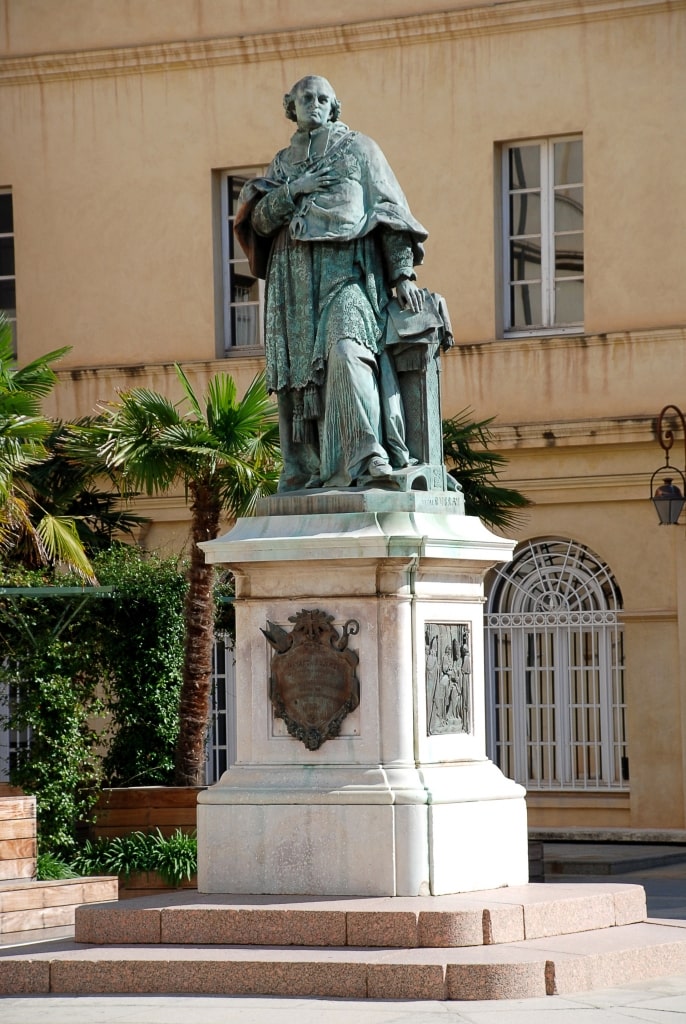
<point x="243" y="293"/>
<point x="544" y="236"/>
<point x="8" y="301"/>
<point x="221" y="733"/>
<point x="555" y="670"/>
<point x="12" y="741"/>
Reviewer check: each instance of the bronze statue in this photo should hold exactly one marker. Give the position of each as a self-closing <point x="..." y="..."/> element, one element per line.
<point x="330" y="230"/>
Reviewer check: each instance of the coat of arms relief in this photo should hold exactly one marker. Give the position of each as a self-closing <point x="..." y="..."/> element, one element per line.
<point x="313" y="681"/>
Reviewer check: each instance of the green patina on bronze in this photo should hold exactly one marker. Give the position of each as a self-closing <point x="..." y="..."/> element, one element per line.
<point x="329" y="229"/>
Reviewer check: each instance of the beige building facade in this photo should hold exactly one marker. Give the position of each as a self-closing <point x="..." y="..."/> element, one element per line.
<point x="543" y="144"/>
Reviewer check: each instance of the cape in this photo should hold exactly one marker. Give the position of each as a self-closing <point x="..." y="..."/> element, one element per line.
<point x="367" y="196"/>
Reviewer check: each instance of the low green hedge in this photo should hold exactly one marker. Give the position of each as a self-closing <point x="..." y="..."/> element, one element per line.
<point x="174" y="857"/>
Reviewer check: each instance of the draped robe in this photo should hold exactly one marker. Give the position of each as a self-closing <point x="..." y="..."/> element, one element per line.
<point x="329" y="259"/>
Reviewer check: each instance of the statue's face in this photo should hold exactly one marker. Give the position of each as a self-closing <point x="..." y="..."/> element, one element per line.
<point x="313" y="99"/>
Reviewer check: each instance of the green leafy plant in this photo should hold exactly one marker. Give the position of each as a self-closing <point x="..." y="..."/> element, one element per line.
<point x="51" y="672"/>
<point x="472" y="462"/>
<point x="174" y="857"/>
<point x="71" y="482"/>
<point x="24" y="433"/>
<point x="49" y="868"/>
<point x="224" y="450"/>
<point x="56" y="652"/>
<point x="141" y="641"/>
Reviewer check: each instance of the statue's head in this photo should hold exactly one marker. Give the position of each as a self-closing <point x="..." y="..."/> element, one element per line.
<point x="311" y="102"/>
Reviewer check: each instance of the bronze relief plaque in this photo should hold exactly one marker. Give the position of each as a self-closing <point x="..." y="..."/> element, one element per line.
<point x="313" y="682"/>
<point x="448" y="664"/>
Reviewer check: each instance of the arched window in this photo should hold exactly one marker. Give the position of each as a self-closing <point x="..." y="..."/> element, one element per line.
<point x="554" y="669"/>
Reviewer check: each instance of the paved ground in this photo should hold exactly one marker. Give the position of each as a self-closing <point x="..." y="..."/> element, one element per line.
<point x="662" y="1001"/>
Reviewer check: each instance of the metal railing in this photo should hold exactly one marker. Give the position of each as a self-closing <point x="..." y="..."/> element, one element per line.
<point x="555" y="670"/>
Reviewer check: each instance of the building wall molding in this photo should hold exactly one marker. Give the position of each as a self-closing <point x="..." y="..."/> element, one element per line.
<point x="566" y="489"/>
<point x="556" y="342"/>
<point x="649" y="615"/>
<point x="675" y="335"/>
<point x="513" y="16"/>
<point x="586" y="433"/>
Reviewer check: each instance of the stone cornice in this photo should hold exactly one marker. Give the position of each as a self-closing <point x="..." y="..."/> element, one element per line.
<point x="553" y="342"/>
<point x="591" y="431"/>
<point x="255" y="360"/>
<point x="567" y="489"/>
<point x="132" y="373"/>
<point x="509" y="16"/>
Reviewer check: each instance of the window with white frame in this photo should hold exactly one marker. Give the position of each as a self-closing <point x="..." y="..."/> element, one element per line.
<point x="543" y="199"/>
<point x="8" y="299"/>
<point x="555" y="669"/>
<point x="12" y="741"/>
<point x="221" y="733"/>
<point x="243" y="293"/>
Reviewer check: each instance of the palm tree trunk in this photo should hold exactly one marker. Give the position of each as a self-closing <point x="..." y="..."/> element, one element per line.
<point x="194" y="705"/>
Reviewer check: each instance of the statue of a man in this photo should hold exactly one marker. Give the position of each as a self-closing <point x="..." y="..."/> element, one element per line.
<point x="330" y="230"/>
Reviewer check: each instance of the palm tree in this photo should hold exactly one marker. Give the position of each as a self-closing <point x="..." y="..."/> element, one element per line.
<point x="466" y="449"/>
<point x="24" y="433"/>
<point x="69" y="483"/>
<point x="226" y="455"/>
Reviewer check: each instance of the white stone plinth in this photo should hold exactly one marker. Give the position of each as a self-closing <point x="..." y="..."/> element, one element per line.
<point x="385" y="808"/>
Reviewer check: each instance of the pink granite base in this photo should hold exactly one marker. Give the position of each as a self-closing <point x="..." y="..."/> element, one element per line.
<point x="387" y="929"/>
<point x="232" y="926"/>
<point x="406" y="981"/>
<point x="453" y="928"/>
<point x="524" y="969"/>
<point x="216" y="976"/>
<point x="24" y="977"/>
<point x="613" y="957"/>
<point x="509" y="943"/>
<point x="489" y="917"/>
<point x="496" y="981"/>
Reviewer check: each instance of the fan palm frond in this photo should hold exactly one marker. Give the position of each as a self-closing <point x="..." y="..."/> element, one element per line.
<point x="61" y="543"/>
<point x="471" y="461"/>
<point x="224" y="451"/>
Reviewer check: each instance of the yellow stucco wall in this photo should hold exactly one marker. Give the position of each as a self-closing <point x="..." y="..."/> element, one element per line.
<point x="115" y="114"/>
<point x="125" y="161"/>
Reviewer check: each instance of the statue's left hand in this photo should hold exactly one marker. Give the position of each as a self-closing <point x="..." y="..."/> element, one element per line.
<point x="409" y="295"/>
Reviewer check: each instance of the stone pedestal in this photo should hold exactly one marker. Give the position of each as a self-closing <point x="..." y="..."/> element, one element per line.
<point x="403" y="802"/>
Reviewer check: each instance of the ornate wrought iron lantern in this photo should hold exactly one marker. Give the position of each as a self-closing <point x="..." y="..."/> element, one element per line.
<point x="668" y="497"/>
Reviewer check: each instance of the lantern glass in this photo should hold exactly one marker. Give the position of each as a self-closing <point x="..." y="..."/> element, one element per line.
<point x="668" y="501"/>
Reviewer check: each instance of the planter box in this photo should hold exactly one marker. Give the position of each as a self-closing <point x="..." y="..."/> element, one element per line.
<point x="150" y="883"/>
<point x="17" y="837"/>
<point x="119" y="812"/>
<point x="28" y="906"/>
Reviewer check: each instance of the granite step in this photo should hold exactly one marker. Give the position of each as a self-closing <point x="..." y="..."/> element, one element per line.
<point x="510" y="943"/>
<point x="552" y="965"/>
<point x="601" y="859"/>
<point x="509" y="914"/>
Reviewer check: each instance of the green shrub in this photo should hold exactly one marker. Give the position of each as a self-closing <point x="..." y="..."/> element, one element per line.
<point x="142" y="648"/>
<point x="52" y="669"/>
<point x="175" y="857"/>
<point x="50" y="868"/>
<point x="69" y="660"/>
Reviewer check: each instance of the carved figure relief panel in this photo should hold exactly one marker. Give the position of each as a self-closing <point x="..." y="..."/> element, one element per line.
<point x="313" y="682"/>
<point x="448" y="661"/>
